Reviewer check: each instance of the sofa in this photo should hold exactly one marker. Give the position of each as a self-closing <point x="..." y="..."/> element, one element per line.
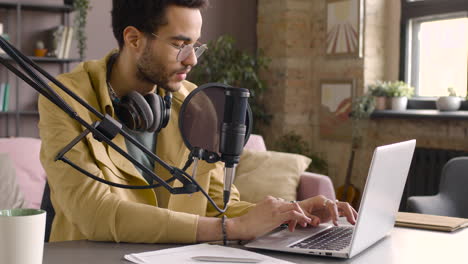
<point x="31" y="177"/>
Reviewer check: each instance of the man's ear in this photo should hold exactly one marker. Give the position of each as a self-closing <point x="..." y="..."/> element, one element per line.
<point x="133" y="38"/>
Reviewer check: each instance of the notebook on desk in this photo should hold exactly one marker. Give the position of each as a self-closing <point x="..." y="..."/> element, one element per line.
<point x="189" y="254"/>
<point x="430" y="222"/>
<point x="379" y="206"/>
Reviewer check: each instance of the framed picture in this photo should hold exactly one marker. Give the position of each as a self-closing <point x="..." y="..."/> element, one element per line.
<point x="344" y="27"/>
<point x="335" y="107"/>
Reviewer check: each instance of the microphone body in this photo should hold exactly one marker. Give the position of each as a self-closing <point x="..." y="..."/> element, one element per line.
<point x="233" y="130"/>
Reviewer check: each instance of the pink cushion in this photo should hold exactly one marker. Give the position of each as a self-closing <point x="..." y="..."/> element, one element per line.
<point x="31" y="177"/>
<point x="312" y="184"/>
<point x="256" y="143"/>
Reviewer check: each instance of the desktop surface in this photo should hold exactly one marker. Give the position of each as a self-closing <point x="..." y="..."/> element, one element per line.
<point x="404" y="245"/>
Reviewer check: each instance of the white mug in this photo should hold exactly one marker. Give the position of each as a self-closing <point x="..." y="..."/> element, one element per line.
<point x="22" y="236"/>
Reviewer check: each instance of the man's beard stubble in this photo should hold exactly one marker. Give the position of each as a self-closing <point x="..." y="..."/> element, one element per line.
<point x="150" y="69"/>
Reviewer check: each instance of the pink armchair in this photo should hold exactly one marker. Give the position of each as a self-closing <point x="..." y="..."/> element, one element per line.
<point x="310" y="184"/>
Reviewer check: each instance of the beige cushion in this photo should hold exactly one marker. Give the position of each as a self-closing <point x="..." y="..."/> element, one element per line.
<point x="263" y="173"/>
<point x="11" y="196"/>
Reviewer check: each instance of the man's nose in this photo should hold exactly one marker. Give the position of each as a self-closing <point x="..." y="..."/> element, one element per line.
<point x="191" y="59"/>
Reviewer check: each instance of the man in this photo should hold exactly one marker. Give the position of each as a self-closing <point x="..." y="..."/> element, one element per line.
<point x="156" y="51"/>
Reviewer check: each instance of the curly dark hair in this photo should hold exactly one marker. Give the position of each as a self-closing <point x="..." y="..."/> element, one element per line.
<point x="145" y="15"/>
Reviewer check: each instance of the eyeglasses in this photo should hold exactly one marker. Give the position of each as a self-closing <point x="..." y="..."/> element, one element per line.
<point x="185" y="50"/>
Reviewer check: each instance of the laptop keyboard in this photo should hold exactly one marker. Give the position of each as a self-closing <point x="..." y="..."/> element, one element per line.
<point x="335" y="238"/>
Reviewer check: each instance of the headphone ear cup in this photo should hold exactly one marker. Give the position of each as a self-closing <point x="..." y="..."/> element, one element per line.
<point x="145" y="113"/>
<point x="157" y="106"/>
<point x="127" y="114"/>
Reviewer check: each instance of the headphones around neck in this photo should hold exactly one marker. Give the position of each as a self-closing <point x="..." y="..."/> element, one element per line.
<point x="149" y="113"/>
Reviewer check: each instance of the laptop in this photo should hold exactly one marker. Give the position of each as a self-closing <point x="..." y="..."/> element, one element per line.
<point x="379" y="204"/>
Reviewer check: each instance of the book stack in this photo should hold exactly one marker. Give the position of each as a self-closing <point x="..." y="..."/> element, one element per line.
<point x="4" y="96"/>
<point x="5" y="36"/>
<point x="59" y="41"/>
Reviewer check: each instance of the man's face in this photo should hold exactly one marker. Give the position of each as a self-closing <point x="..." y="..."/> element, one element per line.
<point x="157" y="63"/>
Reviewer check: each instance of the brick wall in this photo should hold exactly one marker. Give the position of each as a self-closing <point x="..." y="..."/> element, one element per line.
<point x="292" y="33"/>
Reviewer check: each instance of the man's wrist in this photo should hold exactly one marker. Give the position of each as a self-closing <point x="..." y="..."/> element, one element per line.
<point x="232" y="229"/>
<point x="223" y="229"/>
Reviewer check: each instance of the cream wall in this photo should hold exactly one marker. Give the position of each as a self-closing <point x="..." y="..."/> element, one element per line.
<point x="237" y="18"/>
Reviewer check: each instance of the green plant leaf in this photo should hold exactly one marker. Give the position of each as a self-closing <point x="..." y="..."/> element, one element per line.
<point x="223" y="63"/>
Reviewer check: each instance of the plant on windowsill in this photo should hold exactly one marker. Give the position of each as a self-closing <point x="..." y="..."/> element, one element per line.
<point x="399" y="91"/>
<point x="449" y="103"/>
<point x="224" y="63"/>
<point x="379" y="91"/>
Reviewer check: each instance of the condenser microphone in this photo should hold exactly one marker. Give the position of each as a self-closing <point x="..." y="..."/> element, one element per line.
<point x="233" y="132"/>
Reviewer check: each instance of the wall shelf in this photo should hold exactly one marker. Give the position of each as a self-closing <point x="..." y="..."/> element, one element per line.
<point x="20" y="116"/>
<point x="20" y="112"/>
<point x="45" y="59"/>
<point x="37" y="7"/>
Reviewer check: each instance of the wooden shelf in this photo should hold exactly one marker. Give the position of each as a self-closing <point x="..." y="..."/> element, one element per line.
<point x="14" y="118"/>
<point x="37" y="7"/>
<point x="421" y="114"/>
<point x="20" y="113"/>
<point x="45" y="59"/>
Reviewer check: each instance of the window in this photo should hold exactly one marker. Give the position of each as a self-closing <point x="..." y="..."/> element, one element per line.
<point x="435" y="46"/>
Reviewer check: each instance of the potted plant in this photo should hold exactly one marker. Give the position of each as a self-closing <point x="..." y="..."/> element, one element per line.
<point x="399" y="91"/>
<point x="379" y="91"/>
<point x="226" y="64"/>
<point x="81" y="7"/>
<point x="292" y="142"/>
<point x="449" y="103"/>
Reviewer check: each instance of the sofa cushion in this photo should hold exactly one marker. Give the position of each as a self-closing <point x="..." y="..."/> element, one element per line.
<point x="11" y="195"/>
<point x="263" y="173"/>
<point x="30" y="176"/>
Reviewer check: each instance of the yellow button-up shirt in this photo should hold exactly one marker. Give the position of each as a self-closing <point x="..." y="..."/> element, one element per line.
<point x="87" y="209"/>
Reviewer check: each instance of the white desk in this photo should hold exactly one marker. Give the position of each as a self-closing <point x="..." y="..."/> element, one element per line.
<point x="403" y="246"/>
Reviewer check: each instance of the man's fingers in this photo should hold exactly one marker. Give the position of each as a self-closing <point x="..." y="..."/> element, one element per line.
<point x="292" y="225"/>
<point x="333" y="209"/>
<point x="348" y="212"/>
<point x="293" y="215"/>
<point x="354" y="213"/>
<point x="315" y="219"/>
<point x="284" y="207"/>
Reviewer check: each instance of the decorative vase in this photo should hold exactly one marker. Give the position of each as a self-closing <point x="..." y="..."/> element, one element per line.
<point x="399" y="103"/>
<point x="448" y="103"/>
<point x="68" y="2"/>
<point x="380" y="103"/>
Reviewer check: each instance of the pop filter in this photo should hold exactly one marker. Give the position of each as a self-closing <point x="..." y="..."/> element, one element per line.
<point x="201" y="119"/>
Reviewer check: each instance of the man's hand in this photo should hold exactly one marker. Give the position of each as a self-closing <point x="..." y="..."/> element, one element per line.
<point x="321" y="210"/>
<point x="264" y="217"/>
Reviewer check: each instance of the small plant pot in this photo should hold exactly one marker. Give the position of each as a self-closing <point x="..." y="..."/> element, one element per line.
<point x="380" y="103"/>
<point x="40" y="52"/>
<point x="448" y="103"/>
<point x="399" y="103"/>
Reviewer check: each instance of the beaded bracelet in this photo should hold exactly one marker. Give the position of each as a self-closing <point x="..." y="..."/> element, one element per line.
<point x="223" y="228"/>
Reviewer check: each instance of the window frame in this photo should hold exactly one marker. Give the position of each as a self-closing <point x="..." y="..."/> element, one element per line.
<point x="421" y="10"/>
